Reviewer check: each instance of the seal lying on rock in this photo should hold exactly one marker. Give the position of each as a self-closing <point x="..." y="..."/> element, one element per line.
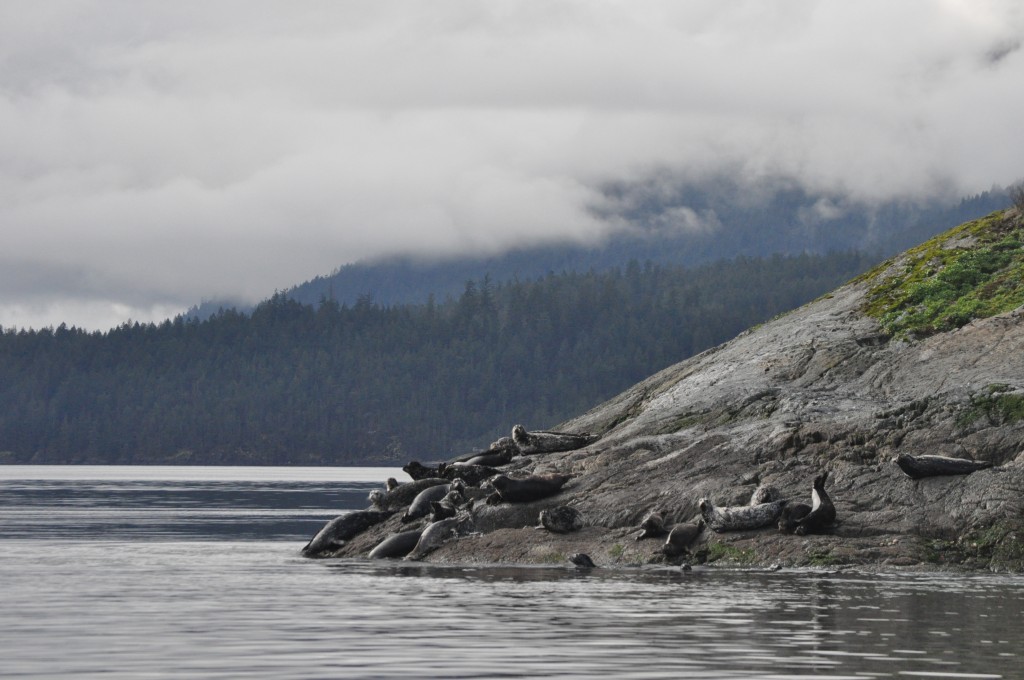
<point x="472" y="475"/>
<point x="436" y="534"/>
<point x="403" y="494"/>
<point x="396" y="545"/>
<point x="561" y="520"/>
<point x="681" y="536"/>
<point x="527" y="489"/>
<point x="823" y="512"/>
<point x="447" y="506"/>
<point x="550" y="442"/>
<point x="418" y="470"/>
<point x="489" y="459"/>
<point x="918" y="467"/>
<point x="791" y="515"/>
<point x="764" y="494"/>
<point x="652" y="526"/>
<point x="740" y="518"/>
<point x="341" y="529"/>
<point x="420" y="505"/>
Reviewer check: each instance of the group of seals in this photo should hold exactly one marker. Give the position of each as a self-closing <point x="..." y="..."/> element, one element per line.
<point x="447" y="494"/>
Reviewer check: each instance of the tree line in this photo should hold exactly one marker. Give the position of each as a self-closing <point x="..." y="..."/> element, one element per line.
<point x="359" y="384"/>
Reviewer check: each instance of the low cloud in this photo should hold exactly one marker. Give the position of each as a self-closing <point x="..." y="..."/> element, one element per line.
<point x="155" y="154"/>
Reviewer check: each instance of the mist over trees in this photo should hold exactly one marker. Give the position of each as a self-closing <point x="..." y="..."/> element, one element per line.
<point x="367" y="383"/>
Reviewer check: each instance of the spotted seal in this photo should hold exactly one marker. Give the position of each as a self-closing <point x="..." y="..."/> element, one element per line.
<point x="447" y="506"/>
<point x="527" y="489"/>
<point x="918" y="467"/>
<point x="396" y="545"/>
<point x="765" y="493"/>
<point x="437" y="534"/>
<point x="740" y="518"/>
<point x="550" y="442"/>
<point x="681" y="536"/>
<point x="652" y="526"/>
<point x="341" y="529"/>
<point x="561" y="520"/>
<point x="823" y="512"/>
<point x="471" y="474"/>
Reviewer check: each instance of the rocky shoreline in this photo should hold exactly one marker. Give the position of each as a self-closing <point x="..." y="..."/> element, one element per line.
<point x="825" y="388"/>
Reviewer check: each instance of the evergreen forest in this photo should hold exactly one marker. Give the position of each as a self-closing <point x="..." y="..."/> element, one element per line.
<point x="370" y="384"/>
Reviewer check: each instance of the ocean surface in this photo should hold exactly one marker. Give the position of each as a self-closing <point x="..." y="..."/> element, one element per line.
<point x="194" y="572"/>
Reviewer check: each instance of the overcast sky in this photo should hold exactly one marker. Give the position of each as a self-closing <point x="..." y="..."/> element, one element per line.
<point x="153" y="154"/>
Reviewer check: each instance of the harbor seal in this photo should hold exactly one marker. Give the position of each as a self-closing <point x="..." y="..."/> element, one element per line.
<point x="561" y="520"/>
<point x="391" y="484"/>
<point x="652" y="526"/>
<point x="550" y="442"/>
<point x="420" y="505"/>
<point x="791" y="515"/>
<point x="473" y="475"/>
<point x="418" y="470"/>
<point x="437" y="534"/>
<point x="396" y="545"/>
<point x="403" y="494"/>
<point x="528" y="489"/>
<point x="681" y="536"/>
<point x="823" y="512"/>
<point x="765" y="493"/>
<point x="918" y="467"/>
<point x="740" y="518"/>
<point x="341" y="529"/>
<point x="491" y="459"/>
<point x="582" y="561"/>
<point x="447" y="506"/>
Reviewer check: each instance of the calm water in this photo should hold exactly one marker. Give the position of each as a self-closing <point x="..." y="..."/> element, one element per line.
<point x="194" y="573"/>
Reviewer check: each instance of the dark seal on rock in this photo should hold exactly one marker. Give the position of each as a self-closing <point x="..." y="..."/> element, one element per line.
<point x="918" y="467"/>
<point x="681" y="536"/>
<point x="582" y="561"/>
<point x="437" y="534"/>
<point x="561" y="520"/>
<point x="528" y="489"/>
<point x="791" y="515"/>
<point x="420" y="506"/>
<point x="740" y="518"/>
<point x="418" y="470"/>
<point x="341" y="529"/>
<point x="403" y="494"/>
<point x="823" y="512"/>
<point x="473" y="475"/>
<point x="488" y="459"/>
<point x="396" y="545"/>
<point x="550" y="442"/>
<point x="652" y="526"/>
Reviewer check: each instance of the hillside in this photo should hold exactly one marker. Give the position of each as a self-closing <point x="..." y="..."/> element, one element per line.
<point x="780" y="221"/>
<point x="923" y="355"/>
<point x="366" y="384"/>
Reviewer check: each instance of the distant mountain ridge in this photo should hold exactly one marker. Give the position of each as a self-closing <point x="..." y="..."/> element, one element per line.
<point x="788" y="222"/>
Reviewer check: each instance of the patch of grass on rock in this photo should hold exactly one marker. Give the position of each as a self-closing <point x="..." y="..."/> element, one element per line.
<point x="973" y="271"/>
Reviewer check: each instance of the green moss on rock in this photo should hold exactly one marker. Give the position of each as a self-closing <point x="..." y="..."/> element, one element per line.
<point x="971" y="272"/>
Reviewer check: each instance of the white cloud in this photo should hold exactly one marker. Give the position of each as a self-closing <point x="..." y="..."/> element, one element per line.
<point x="153" y="154"/>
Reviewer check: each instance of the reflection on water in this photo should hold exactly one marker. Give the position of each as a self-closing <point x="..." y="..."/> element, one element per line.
<point x="153" y="601"/>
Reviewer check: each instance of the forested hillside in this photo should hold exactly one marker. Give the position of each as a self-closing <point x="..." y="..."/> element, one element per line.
<point x="361" y="384"/>
<point x="739" y="221"/>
